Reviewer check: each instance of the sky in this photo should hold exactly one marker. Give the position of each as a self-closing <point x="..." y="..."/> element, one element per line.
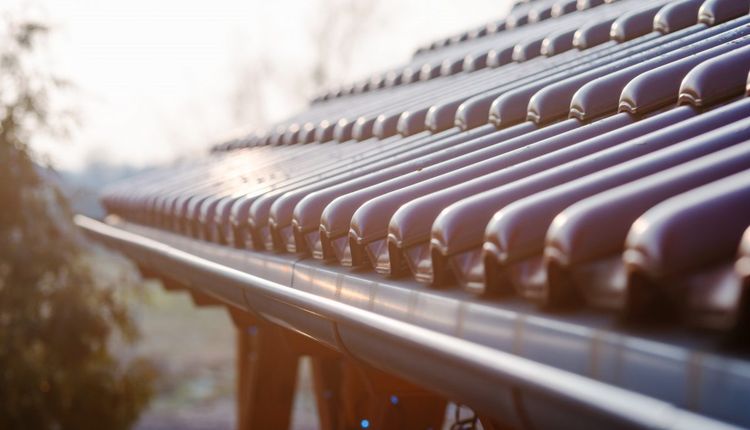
<point x="157" y="80"/>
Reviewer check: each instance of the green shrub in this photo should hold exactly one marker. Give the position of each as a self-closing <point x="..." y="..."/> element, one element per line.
<point x="57" y="315"/>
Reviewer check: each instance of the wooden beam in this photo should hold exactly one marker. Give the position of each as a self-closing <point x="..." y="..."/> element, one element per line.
<point x="376" y="400"/>
<point x="489" y="424"/>
<point x="242" y="318"/>
<point x="327" y="384"/>
<point x="267" y="373"/>
<point x="170" y="284"/>
<point x="202" y="299"/>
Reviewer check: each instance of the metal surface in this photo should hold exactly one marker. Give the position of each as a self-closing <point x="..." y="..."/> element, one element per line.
<point x="564" y="189"/>
<point x="493" y="357"/>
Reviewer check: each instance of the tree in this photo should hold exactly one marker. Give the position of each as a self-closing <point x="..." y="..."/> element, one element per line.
<point x="333" y="34"/>
<point x="57" y="316"/>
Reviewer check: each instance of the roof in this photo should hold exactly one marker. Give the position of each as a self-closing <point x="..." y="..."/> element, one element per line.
<point x="569" y="186"/>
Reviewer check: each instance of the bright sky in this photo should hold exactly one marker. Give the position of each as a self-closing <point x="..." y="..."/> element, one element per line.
<point x="158" y="79"/>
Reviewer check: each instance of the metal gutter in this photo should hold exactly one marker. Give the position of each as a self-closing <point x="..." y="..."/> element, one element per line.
<point x="503" y="385"/>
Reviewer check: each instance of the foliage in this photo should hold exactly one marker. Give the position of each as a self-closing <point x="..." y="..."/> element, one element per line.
<point x="57" y="315"/>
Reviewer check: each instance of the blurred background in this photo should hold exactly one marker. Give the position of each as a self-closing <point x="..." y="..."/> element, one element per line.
<point x="156" y="80"/>
<point x="148" y="82"/>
